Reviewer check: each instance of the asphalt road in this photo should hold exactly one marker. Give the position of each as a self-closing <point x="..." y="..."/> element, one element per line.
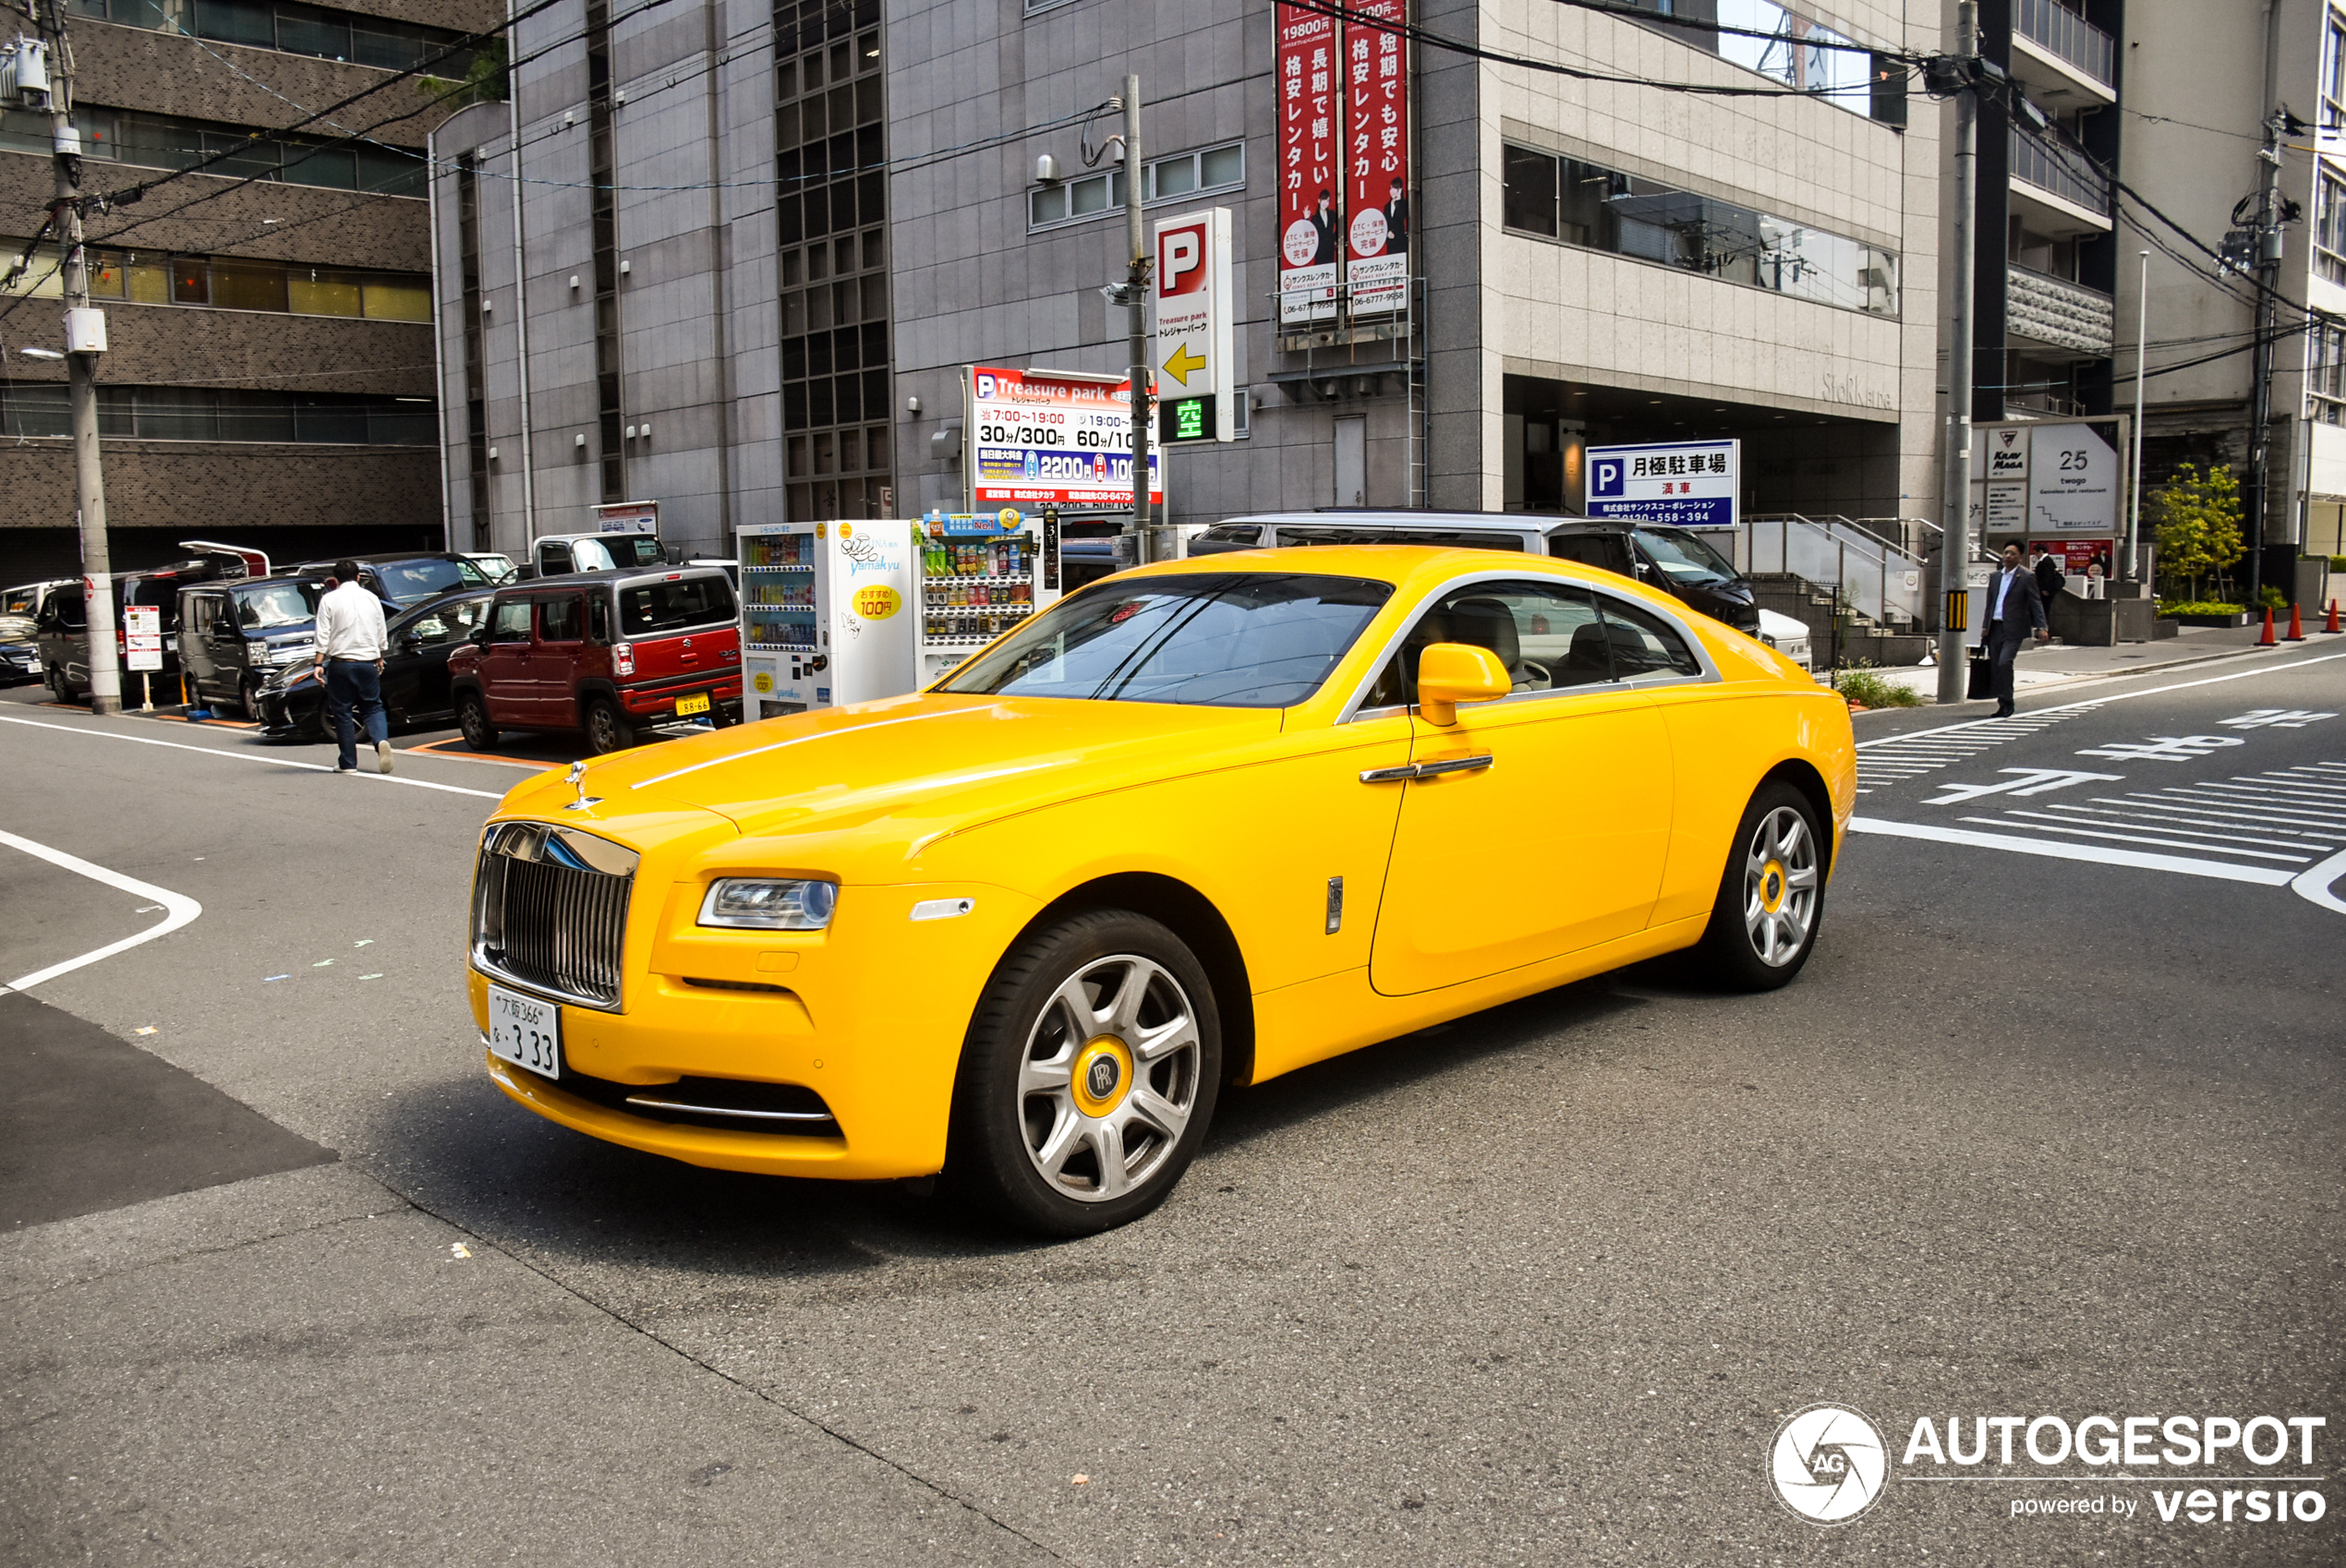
<point x="2050" y="1127"/>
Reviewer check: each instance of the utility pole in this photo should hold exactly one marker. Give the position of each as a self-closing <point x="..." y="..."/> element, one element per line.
<point x="81" y="364"/>
<point x="1954" y="542"/>
<point x="2260" y="434"/>
<point x="1136" y="306"/>
<point x="2135" y="489"/>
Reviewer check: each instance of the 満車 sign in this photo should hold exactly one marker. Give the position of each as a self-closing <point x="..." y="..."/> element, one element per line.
<point x="1690" y="484"/>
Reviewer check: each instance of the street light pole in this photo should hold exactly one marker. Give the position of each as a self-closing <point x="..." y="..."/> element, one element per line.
<point x="1136" y="306"/>
<point x="1954" y="543"/>
<point x="81" y="364"/>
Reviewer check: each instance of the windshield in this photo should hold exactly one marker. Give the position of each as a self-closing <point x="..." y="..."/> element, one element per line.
<point x="1684" y="557"/>
<point x="409" y="582"/>
<point x="278" y="604"/>
<point x="1221" y="639"/>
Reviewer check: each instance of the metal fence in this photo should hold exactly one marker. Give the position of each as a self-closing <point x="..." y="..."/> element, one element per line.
<point x="2071" y="37"/>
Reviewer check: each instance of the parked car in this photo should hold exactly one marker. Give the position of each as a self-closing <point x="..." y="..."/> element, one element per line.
<point x="978" y="931"/>
<point x="232" y="636"/>
<point x="497" y="568"/>
<point x="20" y="607"/>
<point x="557" y="555"/>
<point x="606" y="652"/>
<point x="20" y="662"/>
<point x="402" y="582"/>
<point x="62" y="631"/>
<point x="415" y="675"/>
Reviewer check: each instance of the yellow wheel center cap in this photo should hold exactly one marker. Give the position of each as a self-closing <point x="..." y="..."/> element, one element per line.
<point x="1103" y="1075"/>
<point x="1772" y="886"/>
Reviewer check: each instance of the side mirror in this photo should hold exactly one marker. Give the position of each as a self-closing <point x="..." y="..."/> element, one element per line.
<point x="224" y="630"/>
<point x="1451" y="673"/>
<point x="411" y="642"/>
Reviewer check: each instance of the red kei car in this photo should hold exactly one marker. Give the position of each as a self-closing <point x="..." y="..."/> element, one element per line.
<point x="605" y="653"/>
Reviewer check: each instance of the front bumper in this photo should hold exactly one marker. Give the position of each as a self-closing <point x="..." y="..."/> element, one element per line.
<point x="870" y="1014"/>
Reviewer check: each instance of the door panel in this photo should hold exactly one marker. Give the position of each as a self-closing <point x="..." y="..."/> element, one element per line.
<point x="505" y="663"/>
<point x="1536" y="826"/>
<point x="554" y="660"/>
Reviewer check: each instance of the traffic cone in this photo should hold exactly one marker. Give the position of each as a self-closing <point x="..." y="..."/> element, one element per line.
<point x="2267" y="640"/>
<point x="2333" y="617"/>
<point x="2295" y="634"/>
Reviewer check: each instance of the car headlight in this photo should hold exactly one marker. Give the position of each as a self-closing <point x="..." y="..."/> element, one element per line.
<point x="762" y="903"/>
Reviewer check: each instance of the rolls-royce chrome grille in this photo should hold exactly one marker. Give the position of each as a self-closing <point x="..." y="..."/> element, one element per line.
<point x="549" y="911"/>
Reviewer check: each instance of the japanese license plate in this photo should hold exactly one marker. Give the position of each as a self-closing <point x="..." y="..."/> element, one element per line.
<point x="697" y="702"/>
<point x="526" y="1031"/>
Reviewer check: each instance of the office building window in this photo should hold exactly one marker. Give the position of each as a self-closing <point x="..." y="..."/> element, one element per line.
<point x="602" y="165"/>
<point x="1178" y="176"/>
<point x="231" y="283"/>
<point x="1788" y="48"/>
<point x="32" y="409"/>
<point x="293" y="30"/>
<point x="476" y="347"/>
<point x="2329" y="227"/>
<point x="171" y="141"/>
<point x="832" y="214"/>
<point x="1577" y="203"/>
<point x="2326" y="374"/>
<point x="2333" y="110"/>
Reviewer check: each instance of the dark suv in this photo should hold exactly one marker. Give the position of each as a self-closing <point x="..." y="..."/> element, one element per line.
<point x="1671" y="560"/>
<point x="62" y="631"/>
<point x="232" y="636"/>
<point x="605" y="653"/>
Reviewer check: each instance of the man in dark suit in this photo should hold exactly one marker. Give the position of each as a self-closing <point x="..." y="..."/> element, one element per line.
<point x="2015" y="610"/>
<point x="2050" y="577"/>
<point x="1396" y="221"/>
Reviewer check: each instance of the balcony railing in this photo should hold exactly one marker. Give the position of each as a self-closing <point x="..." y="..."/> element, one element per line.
<point x="2064" y="33"/>
<point x="2067" y="175"/>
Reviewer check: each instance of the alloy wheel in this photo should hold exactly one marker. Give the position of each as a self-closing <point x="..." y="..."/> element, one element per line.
<point x="1779" y="886"/>
<point x="1109" y="1077"/>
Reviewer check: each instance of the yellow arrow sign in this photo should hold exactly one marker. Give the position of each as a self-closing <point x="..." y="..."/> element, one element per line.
<point x="1184" y="364"/>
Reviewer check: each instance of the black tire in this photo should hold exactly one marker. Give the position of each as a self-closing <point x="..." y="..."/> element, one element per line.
<point x="59" y="687"/>
<point x="249" y="698"/>
<point x="472" y="718"/>
<point x="1015" y="1111"/>
<point x="1771" y="894"/>
<point x="607" y="729"/>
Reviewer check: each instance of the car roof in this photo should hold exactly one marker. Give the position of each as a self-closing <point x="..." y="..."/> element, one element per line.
<point x="1402" y="565"/>
<point x="613" y="579"/>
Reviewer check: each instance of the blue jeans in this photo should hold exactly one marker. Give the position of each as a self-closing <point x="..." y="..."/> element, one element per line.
<point x="350" y="681"/>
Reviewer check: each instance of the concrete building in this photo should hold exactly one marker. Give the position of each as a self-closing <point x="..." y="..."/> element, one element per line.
<point x="2214" y="73"/>
<point x="270" y="377"/>
<point x="742" y="244"/>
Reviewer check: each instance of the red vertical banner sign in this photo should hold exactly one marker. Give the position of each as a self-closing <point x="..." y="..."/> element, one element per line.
<point x="1310" y="221"/>
<point x="1376" y="158"/>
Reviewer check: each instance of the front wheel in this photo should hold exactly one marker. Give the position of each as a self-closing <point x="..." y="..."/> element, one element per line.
<point x="472" y="718"/>
<point x="249" y="698"/>
<point x="1088" y="1077"/>
<point x="1770" y="902"/>
<point x="60" y="689"/>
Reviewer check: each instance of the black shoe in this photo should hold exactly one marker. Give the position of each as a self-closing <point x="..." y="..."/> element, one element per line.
<point x="2003" y="713"/>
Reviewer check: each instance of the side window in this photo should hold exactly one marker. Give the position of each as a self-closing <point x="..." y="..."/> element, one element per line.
<point x="512" y="625"/>
<point x="553" y="559"/>
<point x="598" y="618"/>
<point x="558" y="620"/>
<point x="1642" y="644"/>
<point x="1548" y="635"/>
<point x="463" y="620"/>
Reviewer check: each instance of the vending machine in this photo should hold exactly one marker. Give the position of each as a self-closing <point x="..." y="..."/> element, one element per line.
<point x="827" y="614"/>
<point x="981" y="573"/>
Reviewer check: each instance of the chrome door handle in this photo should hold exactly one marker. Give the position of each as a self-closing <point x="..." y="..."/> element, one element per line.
<point x="1426" y="769"/>
<point x="1454" y="764"/>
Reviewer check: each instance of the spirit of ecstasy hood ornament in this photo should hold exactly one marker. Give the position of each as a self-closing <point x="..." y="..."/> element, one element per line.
<point x="577" y="779"/>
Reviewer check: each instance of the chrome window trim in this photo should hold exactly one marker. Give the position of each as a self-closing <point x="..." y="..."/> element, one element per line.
<point x="1353" y="712"/>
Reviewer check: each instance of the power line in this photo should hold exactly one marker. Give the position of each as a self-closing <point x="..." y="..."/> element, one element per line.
<point x="1630" y="13"/>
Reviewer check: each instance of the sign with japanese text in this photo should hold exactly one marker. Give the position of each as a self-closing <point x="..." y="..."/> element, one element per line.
<point x="1310" y="221"/>
<point x="1196" y="357"/>
<point x="1376" y="158"/>
<point x="1052" y="438"/>
<point x="1688" y="483"/>
<point x="142" y="636"/>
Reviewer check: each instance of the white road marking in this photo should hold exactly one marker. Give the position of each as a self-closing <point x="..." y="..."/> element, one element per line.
<point x="2045" y="713"/>
<point x="2078" y="823"/>
<point x="2131" y="837"/>
<point x="179" y="909"/>
<point x="2222" y="871"/>
<point x="2315" y="885"/>
<point x="254" y="757"/>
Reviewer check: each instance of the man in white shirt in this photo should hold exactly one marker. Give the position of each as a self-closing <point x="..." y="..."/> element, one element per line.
<point x="350" y="659"/>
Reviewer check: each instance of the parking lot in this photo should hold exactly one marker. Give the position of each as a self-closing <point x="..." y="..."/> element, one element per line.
<point x="2033" y="1135"/>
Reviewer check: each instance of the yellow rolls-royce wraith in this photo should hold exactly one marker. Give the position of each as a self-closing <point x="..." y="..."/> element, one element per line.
<point x="1195" y="825"/>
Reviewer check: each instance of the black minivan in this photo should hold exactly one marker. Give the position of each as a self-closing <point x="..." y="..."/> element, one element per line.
<point x="234" y="635"/>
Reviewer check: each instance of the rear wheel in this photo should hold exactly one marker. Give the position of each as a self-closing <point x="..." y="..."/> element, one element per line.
<point x="607" y="729"/>
<point x="1770" y="902"/>
<point x="1088" y="1077"/>
<point x="249" y="698"/>
<point x="59" y="687"/>
<point x="472" y="718"/>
